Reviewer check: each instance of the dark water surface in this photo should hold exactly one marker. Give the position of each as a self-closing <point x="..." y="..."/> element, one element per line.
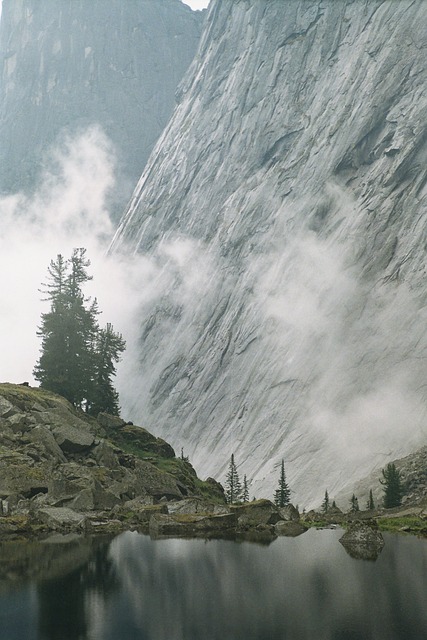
<point x="131" y="588"/>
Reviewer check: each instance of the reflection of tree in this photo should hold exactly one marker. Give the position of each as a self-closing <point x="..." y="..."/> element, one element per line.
<point x="62" y="601"/>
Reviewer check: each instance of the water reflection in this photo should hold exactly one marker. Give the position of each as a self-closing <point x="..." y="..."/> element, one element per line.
<point x="297" y="588"/>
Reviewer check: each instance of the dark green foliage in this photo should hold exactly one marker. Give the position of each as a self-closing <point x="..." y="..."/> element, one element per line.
<point x="282" y="494"/>
<point x="325" y="503"/>
<point x="107" y="349"/>
<point x="354" y="503"/>
<point x="370" y="505"/>
<point x="245" y="490"/>
<point x="77" y="357"/>
<point x="393" y="488"/>
<point x="233" y="488"/>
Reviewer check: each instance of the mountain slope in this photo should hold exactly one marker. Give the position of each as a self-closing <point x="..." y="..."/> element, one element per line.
<point x="70" y="64"/>
<point x="285" y="211"/>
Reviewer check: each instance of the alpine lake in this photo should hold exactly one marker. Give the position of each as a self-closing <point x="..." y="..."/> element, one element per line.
<point x="131" y="587"/>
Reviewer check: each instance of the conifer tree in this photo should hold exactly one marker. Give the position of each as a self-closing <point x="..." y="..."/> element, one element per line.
<point x="354" y="503"/>
<point x="370" y="505"/>
<point x="325" y="503"/>
<point x="108" y="347"/>
<point x="245" y="490"/>
<point x="233" y="487"/>
<point x="282" y="494"/>
<point x="393" y="487"/>
<point x="77" y="357"/>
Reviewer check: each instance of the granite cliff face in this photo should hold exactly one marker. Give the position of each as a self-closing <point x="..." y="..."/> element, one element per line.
<point x="285" y="210"/>
<point x="70" y="64"/>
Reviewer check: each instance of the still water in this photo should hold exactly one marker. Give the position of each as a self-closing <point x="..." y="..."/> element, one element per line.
<point x="134" y="588"/>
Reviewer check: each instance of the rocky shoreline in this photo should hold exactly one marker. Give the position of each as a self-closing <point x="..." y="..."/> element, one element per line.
<point x="63" y="472"/>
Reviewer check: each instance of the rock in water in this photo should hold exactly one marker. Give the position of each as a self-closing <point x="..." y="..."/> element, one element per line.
<point x="363" y="541"/>
<point x="71" y="64"/>
<point x="287" y="205"/>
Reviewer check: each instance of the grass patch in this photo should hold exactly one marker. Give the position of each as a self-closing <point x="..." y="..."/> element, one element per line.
<point x="408" y="524"/>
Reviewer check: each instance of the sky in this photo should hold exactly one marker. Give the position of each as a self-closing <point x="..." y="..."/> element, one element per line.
<point x="197" y="4"/>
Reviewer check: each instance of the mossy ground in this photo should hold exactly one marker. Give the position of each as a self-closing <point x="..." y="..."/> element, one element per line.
<point x="407" y="524"/>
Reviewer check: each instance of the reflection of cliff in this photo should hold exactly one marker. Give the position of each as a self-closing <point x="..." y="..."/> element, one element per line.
<point x="301" y="588"/>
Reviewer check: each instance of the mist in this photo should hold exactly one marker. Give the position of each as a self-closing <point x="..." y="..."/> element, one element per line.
<point x="68" y="209"/>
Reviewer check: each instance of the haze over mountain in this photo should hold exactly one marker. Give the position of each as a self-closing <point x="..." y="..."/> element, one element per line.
<point x="283" y="213"/>
<point x="72" y="64"/>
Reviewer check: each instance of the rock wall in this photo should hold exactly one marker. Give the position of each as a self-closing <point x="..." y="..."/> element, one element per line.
<point x="285" y="211"/>
<point x="70" y="64"/>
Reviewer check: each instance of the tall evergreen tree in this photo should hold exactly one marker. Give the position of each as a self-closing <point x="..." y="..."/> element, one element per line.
<point x="108" y="347"/>
<point x="370" y="505"/>
<point x="325" y="503"/>
<point x="393" y="487"/>
<point x="282" y="494"/>
<point x="354" y="503"/>
<point x="245" y="490"/>
<point x="233" y="487"/>
<point x="77" y="357"/>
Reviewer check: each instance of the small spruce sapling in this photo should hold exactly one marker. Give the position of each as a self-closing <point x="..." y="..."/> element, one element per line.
<point x="354" y="503"/>
<point x="370" y="505"/>
<point x="325" y="503"/>
<point x="282" y="494"/>
<point x="393" y="487"/>
<point x="233" y="487"/>
<point x="245" y="490"/>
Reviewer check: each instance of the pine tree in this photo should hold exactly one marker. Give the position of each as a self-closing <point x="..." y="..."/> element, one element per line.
<point x="393" y="487"/>
<point x="370" y="505"/>
<point x="233" y="488"/>
<point x="354" y="503"/>
<point x="282" y="494"/>
<point x="245" y="490"/>
<point x="325" y="503"/>
<point x="108" y="347"/>
<point x="77" y="357"/>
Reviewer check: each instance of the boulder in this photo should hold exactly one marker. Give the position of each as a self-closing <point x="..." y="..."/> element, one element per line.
<point x="252" y="514"/>
<point x="72" y="440"/>
<point x="108" y="421"/>
<point x="44" y="439"/>
<point x="363" y="540"/>
<point x="289" y="513"/>
<point x="289" y="528"/>
<point x="159" y="484"/>
<point x="19" y="422"/>
<point x="19" y="475"/>
<point x="105" y="455"/>
<point x="6" y="408"/>
<point x="61" y="518"/>
<point x="192" y="525"/>
<point x="197" y="505"/>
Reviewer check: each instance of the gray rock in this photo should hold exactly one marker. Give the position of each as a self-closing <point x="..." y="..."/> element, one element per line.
<point x="105" y="456"/>
<point x="289" y="528"/>
<point x="72" y="440"/>
<point x="298" y="161"/>
<point x="288" y="513"/>
<point x="186" y="525"/>
<point x="41" y="436"/>
<point x="197" y="505"/>
<point x="61" y="519"/>
<point x="259" y="512"/>
<point x="363" y="540"/>
<point x="6" y="408"/>
<point x="108" y="421"/>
